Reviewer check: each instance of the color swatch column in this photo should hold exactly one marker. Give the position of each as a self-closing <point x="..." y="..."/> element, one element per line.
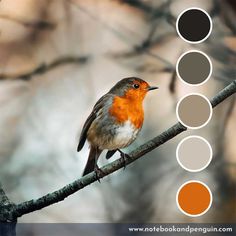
<point x="194" y="111"/>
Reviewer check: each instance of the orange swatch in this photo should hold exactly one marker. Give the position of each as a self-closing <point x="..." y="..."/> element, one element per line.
<point x="194" y="198"/>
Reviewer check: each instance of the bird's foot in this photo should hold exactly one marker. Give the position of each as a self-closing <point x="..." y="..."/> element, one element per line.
<point x="124" y="157"/>
<point x="98" y="173"/>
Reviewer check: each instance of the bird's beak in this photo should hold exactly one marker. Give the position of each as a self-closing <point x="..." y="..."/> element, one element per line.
<point x="152" y="88"/>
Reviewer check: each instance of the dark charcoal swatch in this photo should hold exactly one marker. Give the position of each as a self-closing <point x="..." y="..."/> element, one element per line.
<point x="194" y="25"/>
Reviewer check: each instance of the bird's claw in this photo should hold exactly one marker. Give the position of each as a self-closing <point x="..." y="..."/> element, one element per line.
<point x="98" y="172"/>
<point x="124" y="157"/>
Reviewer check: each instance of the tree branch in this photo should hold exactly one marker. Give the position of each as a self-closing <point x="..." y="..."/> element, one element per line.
<point x="3" y="197"/>
<point x="66" y="191"/>
<point x="6" y="207"/>
<point x="223" y="94"/>
<point x="43" y="68"/>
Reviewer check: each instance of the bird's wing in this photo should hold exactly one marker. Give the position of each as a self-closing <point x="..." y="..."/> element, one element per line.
<point x="91" y="118"/>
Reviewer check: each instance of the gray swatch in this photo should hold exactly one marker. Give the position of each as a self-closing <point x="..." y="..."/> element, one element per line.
<point x="194" y="68"/>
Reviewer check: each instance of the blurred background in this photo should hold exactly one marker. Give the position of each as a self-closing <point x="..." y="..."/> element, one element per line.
<point x="57" y="57"/>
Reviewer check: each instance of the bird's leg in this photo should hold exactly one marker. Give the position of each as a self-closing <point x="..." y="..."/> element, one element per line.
<point x="97" y="170"/>
<point x="124" y="157"/>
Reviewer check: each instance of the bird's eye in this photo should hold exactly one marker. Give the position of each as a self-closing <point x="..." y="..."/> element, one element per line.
<point x="136" y="86"/>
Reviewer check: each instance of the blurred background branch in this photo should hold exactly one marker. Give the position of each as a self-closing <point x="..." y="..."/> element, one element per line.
<point x="38" y="25"/>
<point x="137" y="48"/>
<point x="43" y="68"/>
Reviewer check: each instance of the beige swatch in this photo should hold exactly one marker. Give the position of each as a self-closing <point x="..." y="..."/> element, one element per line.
<point x="194" y="153"/>
<point x="194" y="111"/>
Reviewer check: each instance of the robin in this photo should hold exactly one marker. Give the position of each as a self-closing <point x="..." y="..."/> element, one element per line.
<point x="115" y="120"/>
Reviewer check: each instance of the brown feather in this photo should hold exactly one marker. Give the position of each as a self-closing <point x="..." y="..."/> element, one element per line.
<point x="91" y="118"/>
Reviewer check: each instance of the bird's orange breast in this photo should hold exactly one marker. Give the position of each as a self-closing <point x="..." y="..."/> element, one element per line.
<point x="124" y="109"/>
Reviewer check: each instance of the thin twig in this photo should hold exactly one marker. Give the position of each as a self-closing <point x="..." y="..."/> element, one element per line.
<point x="66" y="191"/>
<point x="223" y="94"/>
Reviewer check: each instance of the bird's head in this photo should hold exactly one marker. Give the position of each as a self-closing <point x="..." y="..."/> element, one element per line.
<point x="132" y="88"/>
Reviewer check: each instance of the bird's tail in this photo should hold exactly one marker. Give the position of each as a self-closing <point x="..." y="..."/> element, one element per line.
<point x="92" y="160"/>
